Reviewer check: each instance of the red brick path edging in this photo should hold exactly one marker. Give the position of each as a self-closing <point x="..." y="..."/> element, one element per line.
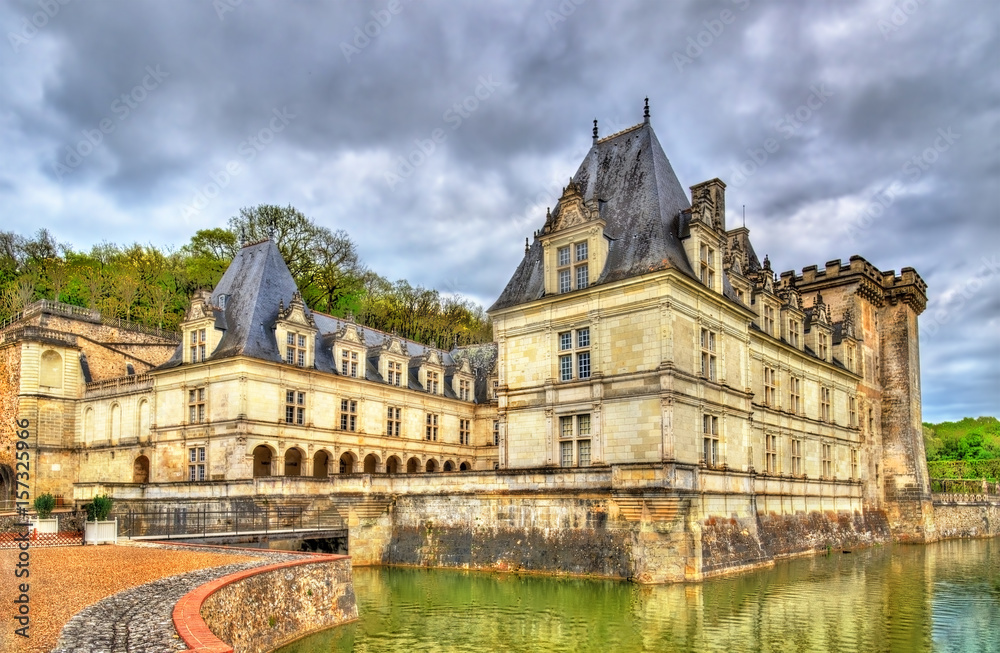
<point x="187" y="611"/>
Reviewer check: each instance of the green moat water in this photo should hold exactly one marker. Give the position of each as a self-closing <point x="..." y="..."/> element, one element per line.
<point x="941" y="597"/>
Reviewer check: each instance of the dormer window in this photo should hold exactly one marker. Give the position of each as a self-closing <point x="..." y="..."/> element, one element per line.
<point x="433" y="382"/>
<point x="198" y="345"/>
<point x="394" y="374"/>
<point x="793" y="333"/>
<point x="349" y="363"/>
<point x="295" y="349"/>
<point x="708" y="266"/>
<point x="464" y="390"/>
<point x="822" y="345"/>
<point x="573" y="268"/>
<point x="768" y="319"/>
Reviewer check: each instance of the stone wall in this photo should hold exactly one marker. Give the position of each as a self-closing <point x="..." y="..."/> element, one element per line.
<point x="10" y="386"/>
<point x="261" y="609"/>
<point x="967" y="516"/>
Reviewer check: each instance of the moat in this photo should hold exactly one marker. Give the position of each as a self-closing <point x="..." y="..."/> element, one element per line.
<point x="940" y="597"/>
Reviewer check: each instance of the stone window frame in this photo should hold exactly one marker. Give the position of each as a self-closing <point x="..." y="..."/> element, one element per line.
<point x="464" y="389"/>
<point x="394" y="421"/>
<point x="197" y="402"/>
<point x="711" y="440"/>
<point x="706" y="266"/>
<point x="573" y="354"/>
<point x="296" y="351"/>
<point x="394" y="373"/>
<point x="708" y="340"/>
<point x="767" y="314"/>
<point x="795" y="394"/>
<point x="823" y="345"/>
<point x="433" y="382"/>
<point x="198" y="346"/>
<point x="852" y="411"/>
<point x="825" y="403"/>
<point x="573" y="266"/>
<point x="770" y="385"/>
<point x="795" y="450"/>
<point x="349" y="414"/>
<point x="855" y="463"/>
<point x="295" y="407"/>
<point x="826" y="460"/>
<point x="350" y="360"/>
<point x="432" y="423"/>
<point x="575" y="438"/>
<point x="197" y="462"/>
<point x="464" y="431"/>
<point x="496" y="433"/>
<point x="794" y="333"/>
<point x="771" y="458"/>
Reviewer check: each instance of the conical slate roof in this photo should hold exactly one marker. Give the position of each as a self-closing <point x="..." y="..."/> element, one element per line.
<point x="641" y="202"/>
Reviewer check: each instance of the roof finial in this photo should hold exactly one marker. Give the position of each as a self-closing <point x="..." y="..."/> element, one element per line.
<point x="595" y="131"/>
<point x="525" y="244"/>
<point x="645" y="112"/>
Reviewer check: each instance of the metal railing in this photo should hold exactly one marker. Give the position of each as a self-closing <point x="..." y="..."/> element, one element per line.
<point x="964" y="486"/>
<point x="202" y="522"/>
<point x="90" y="315"/>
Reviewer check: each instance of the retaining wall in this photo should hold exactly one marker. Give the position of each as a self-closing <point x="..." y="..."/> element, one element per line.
<point x="967" y="516"/>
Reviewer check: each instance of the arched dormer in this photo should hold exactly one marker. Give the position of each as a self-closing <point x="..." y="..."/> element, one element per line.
<point x="349" y="351"/>
<point x="295" y="332"/>
<point x="574" y="243"/>
<point x="392" y="361"/>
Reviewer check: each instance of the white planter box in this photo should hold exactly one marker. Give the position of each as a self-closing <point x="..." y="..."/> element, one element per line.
<point x="100" y="532"/>
<point x="44" y="526"/>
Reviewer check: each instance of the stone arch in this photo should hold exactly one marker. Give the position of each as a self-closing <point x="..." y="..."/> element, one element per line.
<point x="7" y="486"/>
<point x="115" y="422"/>
<point x="262" y="456"/>
<point x="393" y="464"/>
<point x="371" y="464"/>
<point x="348" y="461"/>
<point x="143" y="417"/>
<point x="321" y="464"/>
<point x="449" y="466"/>
<point x="51" y="372"/>
<point x="412" y="465"/>
<point x="465" y="467"/>
<point x="431" y="466"/>
<point x="293" y="462"/>
<point x="88" y="425"/>
<point x="140" y="470"/>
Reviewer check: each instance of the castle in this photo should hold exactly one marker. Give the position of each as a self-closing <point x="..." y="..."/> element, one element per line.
<point x="652" y="382"/>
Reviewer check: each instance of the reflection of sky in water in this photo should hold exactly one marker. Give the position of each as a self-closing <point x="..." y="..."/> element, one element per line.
<point x="907" y="599"/>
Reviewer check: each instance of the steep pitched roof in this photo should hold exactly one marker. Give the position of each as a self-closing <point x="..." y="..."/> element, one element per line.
<point x="640" y="201"/>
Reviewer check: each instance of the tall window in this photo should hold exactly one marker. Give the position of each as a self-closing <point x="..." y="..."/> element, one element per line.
<point x="464" y="390"/>
<point x="196" y="405"/>
<point x="496" y="433"/>
<point x="849" y="355"/>
<point x="349" y="363"/>
<point x="854" y="464"/>
<point x="574" y="361"/>
<point x="824" y="404"/>
<point x="198" y="345"/>
<point x="431" y="433"/>
<point x="827" y="453"/>
<point x="796" y="457"/>
<point x="433" y="382"/>
<point x="295" y="349"/>
<point x="394" y="421"/>
<point x="708" y="266"/>
<point x="852" y="411"/>
<point x="582" y="268"/>
<point x="708" y="354"/>
<point x="768" y="319"/>
<point x="793" y="332"/>
<point x="464" y="431"/>
<point x="572" y="267"/>
<point x="771" y="453"/>
<point x="770" y="383"/>
<point x="794" y="394"/>
<point x="348" y="415"/>
<point x="823" y="344"/>
<point x="395" y="373"/>
<point x="710" y="440"/>
<point x="196" y="463"/>
<point x="495" y="388"/>
<point x="574" y="440"/>
<point x="295" y="407"/>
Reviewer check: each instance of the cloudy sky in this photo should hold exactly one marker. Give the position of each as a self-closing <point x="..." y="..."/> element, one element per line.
<point x="437" y="133"/>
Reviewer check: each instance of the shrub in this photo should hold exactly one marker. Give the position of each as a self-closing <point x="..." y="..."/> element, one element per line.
<point x="44" y="503"/>
<point x="99" y="508"/>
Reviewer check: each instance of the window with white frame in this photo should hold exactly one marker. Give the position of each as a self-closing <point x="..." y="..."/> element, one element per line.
<point x="196" y="463"/>
<point x="349" y="363"/>
<point x="827" y="459"/>
<point x="823" y="345"/>
<point x="768" y="319"/>
<point x="295" y="407"/>
<point x="824" y="404"/>
<point x="394" y="421"/>
<point x="708" y="358"/>
<point x="707" y="273"/>
<point x="854" y="464"/>
<point x="574" y="440"/>
<point x="196" y="405"/>
<point x="431" y="432"/>
<point x="849" y="356"/>
<point x="574" y="354"/>
<point x="710" y="440"/>
<point x="394" y="373"/>
<point x="464" y="390"/>
<point x="572" y="267"/>
<point x="770" y="387"/>
<point x="433" y="382"/>
<point x="348" y="415"/>
<point x="464" y="431"/>
<point x="793" y="332"/>
<point x="771" y="453"/>
<point x="794" y="394"/>
<point x="295" y="349"/>
<point x="198" y="345"/>
<point x="796" y="457"/>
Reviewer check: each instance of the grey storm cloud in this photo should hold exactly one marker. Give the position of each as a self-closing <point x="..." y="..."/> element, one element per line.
<point x="437" y="133"/>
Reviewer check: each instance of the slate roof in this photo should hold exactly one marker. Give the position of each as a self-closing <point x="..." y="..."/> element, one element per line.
<point x="641" y="202"/>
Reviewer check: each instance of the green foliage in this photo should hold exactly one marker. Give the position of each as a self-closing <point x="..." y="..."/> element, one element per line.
<point x="44" y="505"/>
<point x="99" y="508"/>
<point x="965" y="469"/>
<point x="968" y="439"/>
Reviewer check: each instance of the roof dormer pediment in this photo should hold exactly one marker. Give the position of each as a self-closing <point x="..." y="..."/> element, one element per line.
<point x="296" y="313"/>
<point x="349" y="333"/>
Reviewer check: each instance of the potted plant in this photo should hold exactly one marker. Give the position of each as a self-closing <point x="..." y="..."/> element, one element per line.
<point x="45" y="522"/>
<point x="98" y="529"/>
